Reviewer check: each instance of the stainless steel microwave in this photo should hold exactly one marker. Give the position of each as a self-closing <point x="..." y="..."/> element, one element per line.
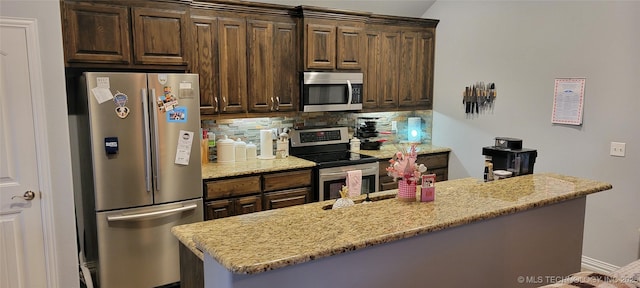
<point x="331" y="91"/>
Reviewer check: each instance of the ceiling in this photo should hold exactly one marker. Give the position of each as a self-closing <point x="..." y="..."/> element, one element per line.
<point x="408" y="8"/>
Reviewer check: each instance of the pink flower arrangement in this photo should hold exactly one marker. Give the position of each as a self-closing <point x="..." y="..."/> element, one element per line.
<point x="404" y="166"/>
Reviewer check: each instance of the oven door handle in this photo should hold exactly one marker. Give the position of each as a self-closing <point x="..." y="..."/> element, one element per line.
<point x="344" y="173"/>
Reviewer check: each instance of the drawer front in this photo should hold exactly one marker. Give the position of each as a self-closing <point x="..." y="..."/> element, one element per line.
<point x="218" y="209"/>
<point x="275" y="200"/>
<point x="441" y="174"/>
<point x="287" y="180"/>
<point x="233" y="187"/>
<point x="248" y="204"/>
<point x="434" y="160"/>
<point x="384" y="186"/>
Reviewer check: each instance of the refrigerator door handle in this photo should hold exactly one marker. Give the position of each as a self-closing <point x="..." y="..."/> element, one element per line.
<point x="151" y="214"/>
<point x="155" y="141"/>
<point x="147" y="140"/>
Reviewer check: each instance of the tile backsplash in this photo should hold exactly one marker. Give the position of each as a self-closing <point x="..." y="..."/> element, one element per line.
<point x="248" y="129"/>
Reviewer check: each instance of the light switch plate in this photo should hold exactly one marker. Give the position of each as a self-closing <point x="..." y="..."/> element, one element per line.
<point x="617" y="149"/>
<point x="394" y="126"/>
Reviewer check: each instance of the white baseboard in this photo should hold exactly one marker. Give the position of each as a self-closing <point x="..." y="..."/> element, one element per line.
<point x="596" y="265"/>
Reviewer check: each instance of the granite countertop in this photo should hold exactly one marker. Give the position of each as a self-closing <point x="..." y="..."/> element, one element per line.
<point x="219" y="170"/>
<point x="297" y="234"/>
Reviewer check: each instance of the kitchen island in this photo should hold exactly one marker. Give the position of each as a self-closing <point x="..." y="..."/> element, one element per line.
<point x="497" y="234"/>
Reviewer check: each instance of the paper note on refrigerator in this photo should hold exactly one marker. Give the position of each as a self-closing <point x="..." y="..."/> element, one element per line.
<point x="185" y="140"/>
<point x="102" y="94"/>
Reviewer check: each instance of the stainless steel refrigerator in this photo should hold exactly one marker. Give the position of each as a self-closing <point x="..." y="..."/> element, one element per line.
<point x="137" y="172"/>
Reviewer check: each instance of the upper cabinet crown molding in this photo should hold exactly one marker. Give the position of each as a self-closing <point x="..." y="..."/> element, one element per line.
<point x="402" y="21"/>
<point x="331" y="14"/>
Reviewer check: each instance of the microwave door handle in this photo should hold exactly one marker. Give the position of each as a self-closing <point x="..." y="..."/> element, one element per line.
<point x="350" y="93"/>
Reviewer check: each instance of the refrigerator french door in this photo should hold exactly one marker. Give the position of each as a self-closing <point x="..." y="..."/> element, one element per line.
<point x="141" y="173"/>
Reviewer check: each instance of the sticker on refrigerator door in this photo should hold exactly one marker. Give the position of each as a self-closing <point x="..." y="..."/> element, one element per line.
<point x="103" y="82"/>
<point x="186" y="90"/>
<point x="177" y="115"/>
<point x="111" y="145"/>
<point x="185" y="140"/>
<point x="102" y="91"/>
<point x="121" y="102"/>
<point x="162" y="78"/>
<point x="167" y="101"/>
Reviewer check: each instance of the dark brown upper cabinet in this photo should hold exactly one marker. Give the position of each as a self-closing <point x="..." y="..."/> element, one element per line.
<point x="220" y="58"/>
<point x="398" y="67"/>
<point x="416" y="75"/>
<point x="232" y="48"/>
<point x="160" y="36"/>
<point x="123" y="35"/>
<point x="272" y="81"/>
<point x="382" y="67"/>
<point x="204" y="29"/>
<point x="247" y="63"/>
<point x="249" y="55"/>
<point x="97" y="33"/>
<point x="332" y="40"/>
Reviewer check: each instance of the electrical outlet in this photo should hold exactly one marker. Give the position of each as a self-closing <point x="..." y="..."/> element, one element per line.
<point x="617" y="149"/>
<point x="394" y="126"/>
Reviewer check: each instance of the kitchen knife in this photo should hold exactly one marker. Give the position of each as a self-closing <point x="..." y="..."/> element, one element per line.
<point x="467" y="100"/>
<point x="473" y="97"/>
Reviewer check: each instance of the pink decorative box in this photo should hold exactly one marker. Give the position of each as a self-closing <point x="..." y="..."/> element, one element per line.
<point x="428" y="188"/>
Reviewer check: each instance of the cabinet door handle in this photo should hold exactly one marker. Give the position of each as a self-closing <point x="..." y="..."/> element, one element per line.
<point x="224" y="100"/>
<point x="273" y="104"/>
<point x="277" y="103"/>
<point x="216" y="107"/>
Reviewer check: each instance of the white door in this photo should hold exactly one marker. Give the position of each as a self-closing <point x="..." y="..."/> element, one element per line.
<point x="22" y="256"/>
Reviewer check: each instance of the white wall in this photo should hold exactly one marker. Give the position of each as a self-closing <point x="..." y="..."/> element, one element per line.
<point x="523" y="46"/>
<point x="47" y="13"/>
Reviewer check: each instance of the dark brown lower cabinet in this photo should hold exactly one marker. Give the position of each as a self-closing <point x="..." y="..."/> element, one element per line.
<point x="191" y="269"/>
<point x="233" y="206"/>
<point x="437" y="163"/>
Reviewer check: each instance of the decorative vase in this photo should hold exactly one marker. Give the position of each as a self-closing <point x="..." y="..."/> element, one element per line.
<point x="406" y="190"/>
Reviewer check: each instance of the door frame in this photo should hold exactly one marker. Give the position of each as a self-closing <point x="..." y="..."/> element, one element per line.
<point x="42" y="141"/>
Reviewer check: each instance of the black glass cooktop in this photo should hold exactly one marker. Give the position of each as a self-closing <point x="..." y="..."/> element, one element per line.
<point x="336" y="159"/>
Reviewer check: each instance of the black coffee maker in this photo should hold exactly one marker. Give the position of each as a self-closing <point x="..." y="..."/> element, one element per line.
<point x="508" y="154"/>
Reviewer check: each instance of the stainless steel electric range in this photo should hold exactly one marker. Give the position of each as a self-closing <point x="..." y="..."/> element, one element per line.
<point x="328" y="147"/>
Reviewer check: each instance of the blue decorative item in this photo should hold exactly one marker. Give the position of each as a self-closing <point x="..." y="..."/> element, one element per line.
<point x="414" y="129"/>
